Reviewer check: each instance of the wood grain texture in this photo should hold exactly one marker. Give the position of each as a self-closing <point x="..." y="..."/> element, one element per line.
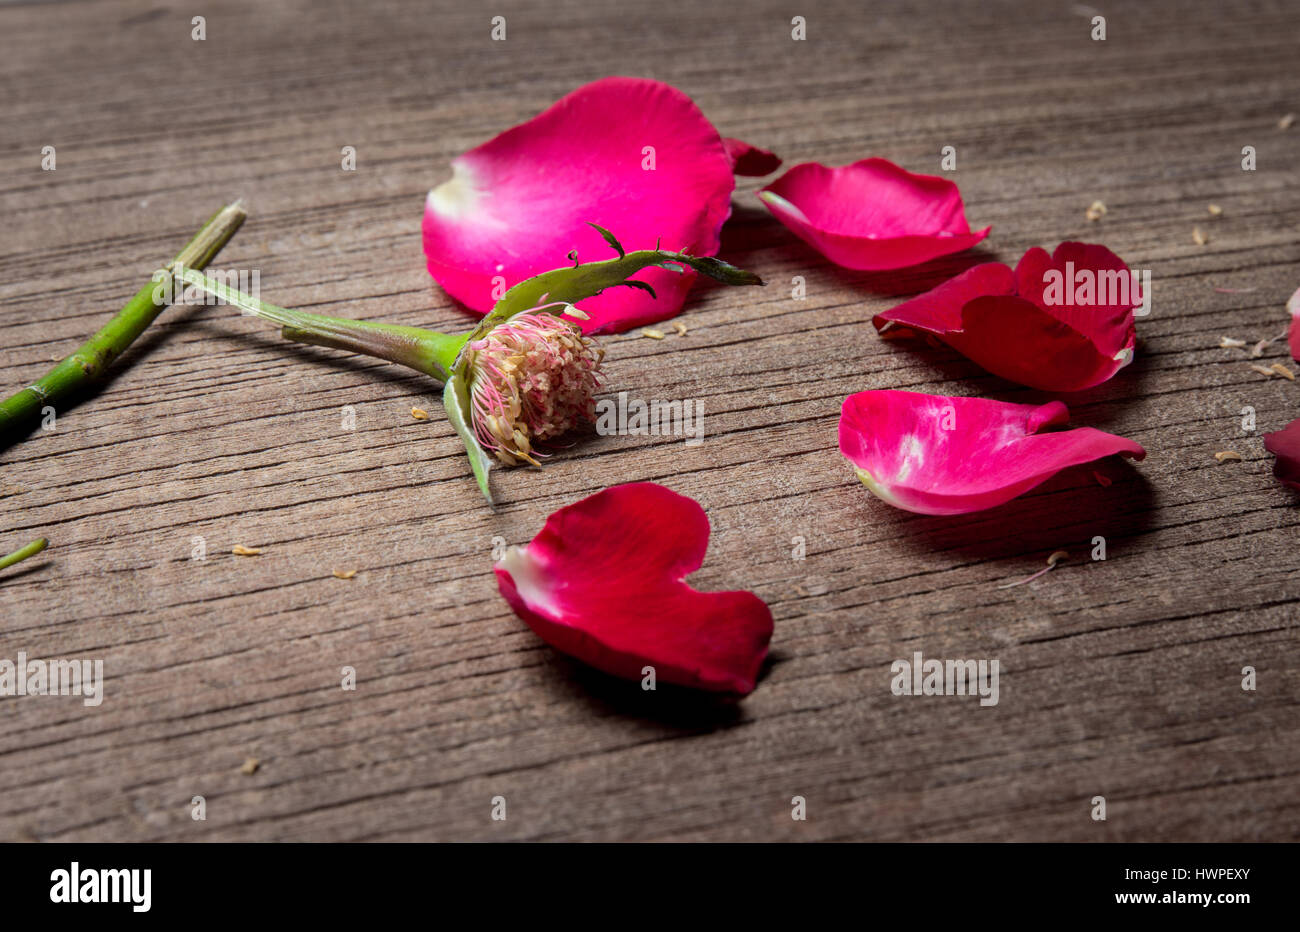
<point x="1119" y="678"/>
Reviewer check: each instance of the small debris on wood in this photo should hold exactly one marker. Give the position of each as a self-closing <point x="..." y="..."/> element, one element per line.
<point x="1283" y="371"/>
<point x="1215" y="210"/>
<point x="680" y="328"/>
<point x="1096" y="210"/>
<point x="419" y="414"/>
<point x="344" y="574"/>
<point x="1224" y="456"/>
<point x="250" y="766"/>
<point x="1262" y="345"/>
<point x="652" y="333"/>
<point x="240" y="550"/>
<point x="1263" y="370"/>
<point x="1198" y="237"/>
<point x="1286" y="121"/>
<point x="1056" y="557"/>
<point x="1230" y="343"/>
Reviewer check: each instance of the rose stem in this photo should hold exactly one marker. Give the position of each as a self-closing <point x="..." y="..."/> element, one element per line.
<point x="18" y="556"/>
<point x="97" y="353"/>
<point x="426" y="351"/>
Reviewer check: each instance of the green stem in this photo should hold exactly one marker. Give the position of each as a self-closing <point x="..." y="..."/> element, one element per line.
<point x="19" y="556"/>
<point x="426" y="351"/>
<point x="97" y="353"/>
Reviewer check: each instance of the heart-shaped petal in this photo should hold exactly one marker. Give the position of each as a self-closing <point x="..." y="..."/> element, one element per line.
<point x="634" y="156"/>
<point x="871" y="215"/>
<point x="603" y="581"/>
<point x="942" y="455"/>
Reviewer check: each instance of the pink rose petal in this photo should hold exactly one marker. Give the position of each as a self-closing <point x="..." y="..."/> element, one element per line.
<point x="1293" y="333"/>
<point x="632" y="155"/>
<point x="871" y="215"/>
<point x="939" y="455"/>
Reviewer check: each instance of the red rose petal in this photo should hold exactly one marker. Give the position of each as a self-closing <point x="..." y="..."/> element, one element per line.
<point x="1285" y="445"/>
<point x="518" y="204"/>
<point x="604" y="582"/>
<point x="1005" y="322"/>
<point x="872" y="214"/>
<point x="750" y="160"/>
<point x="938" y="455"/>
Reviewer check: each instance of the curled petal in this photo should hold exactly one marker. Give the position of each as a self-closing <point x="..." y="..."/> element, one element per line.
<point x="938" y="455"/>
<point x="1060" y="322"/>
<point x="604" y="582"/>
<point x="871" y="215"/>
<point x="1285" y="445"/>
<point x="634" y="156"/>
<point x="750" y="160"/>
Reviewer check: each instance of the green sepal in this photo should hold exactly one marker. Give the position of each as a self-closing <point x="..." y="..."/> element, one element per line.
<point x="609" y="238"/>
<point x="571" y="285"/>
<point x="456" y="401"/>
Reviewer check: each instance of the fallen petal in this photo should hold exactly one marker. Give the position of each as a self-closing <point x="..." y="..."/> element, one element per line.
<point x="604" y="582"/>
<point x="1285" y="445"/>
<point x="1024" y="328"/>
<point x="750" y="161"/>
<point x="871" y="215"/>
<point x="635" y="156"/>
<point x="942" y="455"/>
<point x="1293" y="334"/>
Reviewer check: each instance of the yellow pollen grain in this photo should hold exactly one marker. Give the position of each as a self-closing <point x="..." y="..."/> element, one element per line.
<point x="1096" y="210"/>
<point x="1198" y="237"/>
<point x="1230" y="343"/>
<point x="1283" y="371"/>
<point x="1057" y="557"/>
<point x="250" y="766"/>
<point x="680" y="328"/>
<point x="344" y="574"/>
<point x="240" y="550"/>
<point x="652" y="333"/>
<point x="1263" y="371"/>
<point x="1286" y="122"/>
<point x="1215" y="210"/>
<point x="1224" y="456"/>
<point x="419" y="414"/>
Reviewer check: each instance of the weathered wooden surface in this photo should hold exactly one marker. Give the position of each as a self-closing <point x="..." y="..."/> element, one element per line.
<point x="1119" y="678"/>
